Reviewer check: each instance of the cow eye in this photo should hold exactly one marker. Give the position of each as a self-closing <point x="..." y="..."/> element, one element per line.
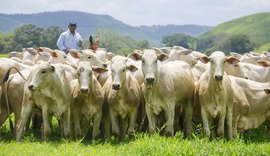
<point x="89" y="57"/>
<point x="143" y="61"/>
<point x="65" y="56"/>
<point x="212" y="61"/>
<point x="156" y="61"/>
<point x="43" y="71"/>
<point x="236" y="65"/>
<point x="124" y="70"/>
<point x="81" y="70"/>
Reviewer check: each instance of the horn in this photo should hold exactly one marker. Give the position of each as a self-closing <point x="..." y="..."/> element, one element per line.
<point x="91" y="40"/>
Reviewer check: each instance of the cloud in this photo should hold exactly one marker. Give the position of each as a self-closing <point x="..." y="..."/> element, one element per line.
<point x="150" y="12"/>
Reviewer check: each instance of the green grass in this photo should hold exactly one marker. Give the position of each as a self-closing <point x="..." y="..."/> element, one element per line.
<point x="251" y="143"/>
<point x="4" y="55"/>
<point x="265" y="47"/>
<point x="256" y="26"/>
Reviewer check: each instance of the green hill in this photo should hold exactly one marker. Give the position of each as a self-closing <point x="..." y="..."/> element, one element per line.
<point x="256" y="27"/>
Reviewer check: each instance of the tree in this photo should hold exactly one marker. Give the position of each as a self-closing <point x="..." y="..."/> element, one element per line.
<point x="183" y="40"/>
<point x="29" y="36"/>
<point x="51" y="35"/>
<point x="238" y="43"/>
<point x="117" y="43"/>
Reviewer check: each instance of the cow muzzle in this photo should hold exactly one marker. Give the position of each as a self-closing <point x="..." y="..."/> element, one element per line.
<point x="150" y="80"/>
<point x="31" y="87"/>
<point x="116" y="86"/>
<point x="84" y="90"/>
<point x="218" y="77"/>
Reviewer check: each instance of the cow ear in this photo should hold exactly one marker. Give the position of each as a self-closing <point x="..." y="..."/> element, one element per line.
<point x="267" y="91"/>
<point x="162" y="57"/>
<point x="99" y="69"/>
<point x="132" y="68"/>
<point x="232" y="60"/>
<point x="53" y="53"/>
<point x="75" y="54"/>
<point x="39" y="49"/>
<point x="91" y="40"/>
<point x="135" y="56"/>
<point x="97" y="40"/>
<point x="204" y="59"/>
<point x="263" y="63"/>
<point x="53" y="68"/>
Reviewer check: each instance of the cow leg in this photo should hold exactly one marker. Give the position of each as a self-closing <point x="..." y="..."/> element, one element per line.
<point x="115" y="124"/>
<point x="221" y="120"/>
<point x="177" y="114"/>
<point x="96" y="125"/>
<point x="188" y="119"/>
<point x="205" y="120"/>
<point x="132" y="120"/>
<point x="229" y="118"/>
<point x="123" y="128"/>
<point x="66" y="123"/>
<point x="106" y="126"/>
<point x="77" y="126"/>
<point x="46" y="124"/>
<point x="169" y="114"/>
<point x="27" y="108"/>
<point x="3" y="116"/>
<point x="234" y="125"/>
<point x="151" y="119"/>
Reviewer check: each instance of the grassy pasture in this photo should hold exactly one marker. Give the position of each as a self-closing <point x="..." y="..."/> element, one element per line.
<point x="4" y="55"/>
<point x="251" y="143"/>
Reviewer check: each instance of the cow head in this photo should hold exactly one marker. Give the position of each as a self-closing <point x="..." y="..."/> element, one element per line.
<point x="57" y="56"/>
<point x="119" y="68"/>
<point x="85" y="74"/>
<point x="41" y="77"/>
<point x="88" y="55"/>
<point x="217" y="60"/>
<point x="232" y="67"/>
<point x="150" y="65"/>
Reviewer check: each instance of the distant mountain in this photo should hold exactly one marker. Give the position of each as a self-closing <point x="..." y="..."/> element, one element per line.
<point x="88" y="22"/>
<point x="255" y="26"/>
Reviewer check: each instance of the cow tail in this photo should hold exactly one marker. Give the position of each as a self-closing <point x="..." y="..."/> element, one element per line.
<point x="2" y="85"/>
<point x="8" y="108"/>
<point x="5" y="86"/>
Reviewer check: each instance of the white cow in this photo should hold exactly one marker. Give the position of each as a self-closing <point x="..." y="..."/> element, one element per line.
<point x="123" y="96"/>
<point x="48" y="89"/>
<point x="166" y="87"/>
<point x="216" y="95"/>
<point x="88" y="99"/>
<point x="252" y="105"/>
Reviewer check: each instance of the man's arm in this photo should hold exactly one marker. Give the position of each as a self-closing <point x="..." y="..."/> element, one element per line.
<point x="60" y="42"/>
<point x="80" y="40"/>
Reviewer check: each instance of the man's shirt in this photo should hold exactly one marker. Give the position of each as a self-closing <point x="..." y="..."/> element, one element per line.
<point x="69" y="41"/>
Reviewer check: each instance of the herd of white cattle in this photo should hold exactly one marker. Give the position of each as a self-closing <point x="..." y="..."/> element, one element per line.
<point x="146" y="90"/>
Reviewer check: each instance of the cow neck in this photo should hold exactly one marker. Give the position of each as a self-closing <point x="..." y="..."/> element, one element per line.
<point x="95" y="88"/>
<point x="58" y="84"/>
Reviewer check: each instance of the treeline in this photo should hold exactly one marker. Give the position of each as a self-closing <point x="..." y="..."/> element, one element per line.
<point x="32" y="36"/>
<point x="239" y="43"/>
<point x="29" y="36"/>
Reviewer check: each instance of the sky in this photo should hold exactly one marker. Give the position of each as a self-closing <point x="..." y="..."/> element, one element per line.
<point x="147" y="12"/>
